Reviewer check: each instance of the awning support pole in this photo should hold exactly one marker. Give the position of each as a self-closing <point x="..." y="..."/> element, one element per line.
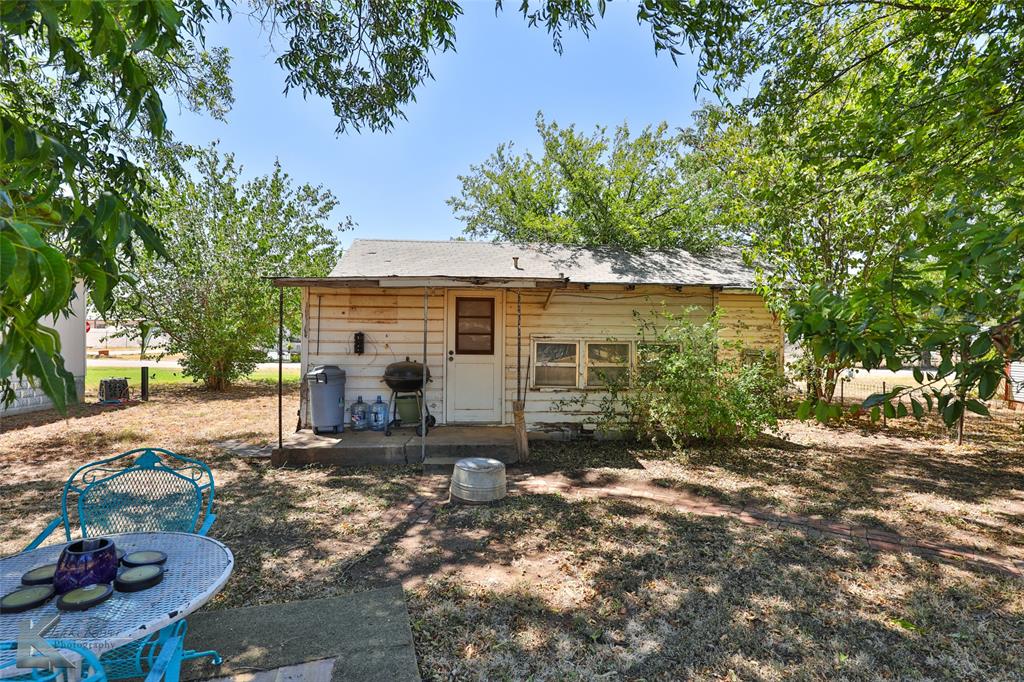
<point x="280" y="368"/>
<point x="423" y="402"/>
<point x="519" y="407"/>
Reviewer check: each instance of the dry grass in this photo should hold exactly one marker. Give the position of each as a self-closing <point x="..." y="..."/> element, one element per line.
<point x="613" y="590"/>
<point x="545" y="587"/>
<point x="908" y="478"/>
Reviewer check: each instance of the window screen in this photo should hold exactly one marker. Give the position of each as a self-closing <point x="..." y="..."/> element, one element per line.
<point x="555" y="364"/>
<point x="607" y="363"/>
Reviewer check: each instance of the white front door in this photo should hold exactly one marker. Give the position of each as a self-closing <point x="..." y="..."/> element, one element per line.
<point x="474" y="338"/>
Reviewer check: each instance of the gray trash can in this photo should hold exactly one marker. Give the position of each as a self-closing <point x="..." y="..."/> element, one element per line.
<point x="327" y="398"/>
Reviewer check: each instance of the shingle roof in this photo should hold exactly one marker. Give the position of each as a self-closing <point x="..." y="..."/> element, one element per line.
<point x="387" y="258"/>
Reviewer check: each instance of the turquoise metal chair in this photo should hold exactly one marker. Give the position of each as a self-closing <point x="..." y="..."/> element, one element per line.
<point x="148" y="489"/>
<point x="167" y="666"/>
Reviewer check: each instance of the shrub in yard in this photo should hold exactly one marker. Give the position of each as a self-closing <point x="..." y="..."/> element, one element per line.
<point x="690" y="385"/>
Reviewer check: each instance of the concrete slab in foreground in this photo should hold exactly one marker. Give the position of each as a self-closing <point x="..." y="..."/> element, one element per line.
<point x="368" y="635"/>
<point x="363" y="448"/>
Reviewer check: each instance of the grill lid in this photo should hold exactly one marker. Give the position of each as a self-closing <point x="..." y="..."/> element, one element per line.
<point x="406" y="370"/>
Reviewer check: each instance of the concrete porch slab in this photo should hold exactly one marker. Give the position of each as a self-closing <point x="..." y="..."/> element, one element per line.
<point x="367" y="634"/>
<point x="362" y="448"/>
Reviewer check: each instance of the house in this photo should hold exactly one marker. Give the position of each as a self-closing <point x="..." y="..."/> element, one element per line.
<point x="576" y="324"/>
<point x="71" y="329"/>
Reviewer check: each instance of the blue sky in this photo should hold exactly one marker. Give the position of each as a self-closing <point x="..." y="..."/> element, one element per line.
<point x="394" y="185"/>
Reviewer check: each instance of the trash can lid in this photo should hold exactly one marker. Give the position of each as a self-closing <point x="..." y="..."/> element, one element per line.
<point x="325" y="373"/>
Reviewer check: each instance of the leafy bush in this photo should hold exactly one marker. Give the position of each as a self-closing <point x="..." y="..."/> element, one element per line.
<point x="689" y="385"/>
<point x="224" y="236"/>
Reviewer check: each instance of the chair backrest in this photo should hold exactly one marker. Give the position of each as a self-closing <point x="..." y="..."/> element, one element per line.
<point x="149" y="489"/>
<point x="89" y="667"/>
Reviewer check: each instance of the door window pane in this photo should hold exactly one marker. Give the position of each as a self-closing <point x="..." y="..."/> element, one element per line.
<point x="475" y="307"/>
<point x="474" y="343"/>
<point x="474" y="326"/>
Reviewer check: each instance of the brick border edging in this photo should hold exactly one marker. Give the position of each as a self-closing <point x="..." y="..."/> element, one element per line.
<point x="862" y="536"/>
<point x="421" y="506"/>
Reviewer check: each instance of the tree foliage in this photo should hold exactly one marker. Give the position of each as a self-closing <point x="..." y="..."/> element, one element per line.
<point x="78" y="81"/>
<point x="799" y="227"/>
<point x="82" y="85"/>
<point x="912" y="111"/>
<point x="600" y="189"/>
<point x="223" y="237"/>
<point x="920" y="104"/>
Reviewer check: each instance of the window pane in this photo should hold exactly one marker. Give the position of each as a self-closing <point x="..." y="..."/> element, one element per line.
<point x="475" y="325"/>
<point x="602" y="376"/>
<point x="555" y="376"/>
<point x="475" y="307"/>
<point x="556" y="352"/>
<point x="608" y="353"/>
<point x="647" y="353"/>
<point x="474" y="343"/>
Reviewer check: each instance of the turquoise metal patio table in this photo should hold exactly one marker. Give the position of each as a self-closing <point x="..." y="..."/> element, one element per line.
<point x="197" y="568"/>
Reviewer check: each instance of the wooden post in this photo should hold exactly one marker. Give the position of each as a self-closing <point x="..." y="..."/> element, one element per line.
<point x="960" y="427"/>
<point x="145" y="383"/>
<point x="884" y="420"/>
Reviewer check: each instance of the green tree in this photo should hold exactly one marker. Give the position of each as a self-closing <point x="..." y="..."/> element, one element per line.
<point x="920" y="103"/>
<point x="801" y="230"/>
<point x="917" y="102"/>
<point x="79" y="82"/>
<point x="223" y="237"/>
<point x="587" y="190"/>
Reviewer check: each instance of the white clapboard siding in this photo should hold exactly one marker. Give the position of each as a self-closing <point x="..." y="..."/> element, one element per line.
<point x="392" y="320"/>
<point x="600" y="313"/>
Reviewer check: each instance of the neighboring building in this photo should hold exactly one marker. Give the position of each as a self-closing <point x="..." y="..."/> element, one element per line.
<point x="579" y="315"/>
<point x="118" y="339"/>
<point x="30" y="398"/>
<point x="1015" y="383"/>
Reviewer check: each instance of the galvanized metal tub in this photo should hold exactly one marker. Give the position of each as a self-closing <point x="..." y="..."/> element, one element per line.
<point x="478" y="480"/>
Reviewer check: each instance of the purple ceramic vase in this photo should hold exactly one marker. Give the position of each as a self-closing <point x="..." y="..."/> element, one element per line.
<point x="85" y="562"/>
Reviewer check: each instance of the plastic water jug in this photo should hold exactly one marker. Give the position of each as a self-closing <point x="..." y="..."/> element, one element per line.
<point x="359" y="412"/>
<point x="379" y="415"/>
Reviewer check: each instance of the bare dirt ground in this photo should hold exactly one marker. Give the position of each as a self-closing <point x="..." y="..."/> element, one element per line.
<point x="544" y="586"/>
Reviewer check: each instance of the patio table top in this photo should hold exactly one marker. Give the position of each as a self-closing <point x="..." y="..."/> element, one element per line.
<point x="196" y="570"/>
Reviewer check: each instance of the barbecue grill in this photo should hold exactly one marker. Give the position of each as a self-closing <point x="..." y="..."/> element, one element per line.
<point x="407" y="377"/>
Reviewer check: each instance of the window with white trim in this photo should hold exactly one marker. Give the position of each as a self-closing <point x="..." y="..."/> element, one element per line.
<point x="607" y="363"/>
<point x="555" y="364"/>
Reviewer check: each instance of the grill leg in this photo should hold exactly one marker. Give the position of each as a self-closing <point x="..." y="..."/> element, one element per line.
<point x="392" y="413"/>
